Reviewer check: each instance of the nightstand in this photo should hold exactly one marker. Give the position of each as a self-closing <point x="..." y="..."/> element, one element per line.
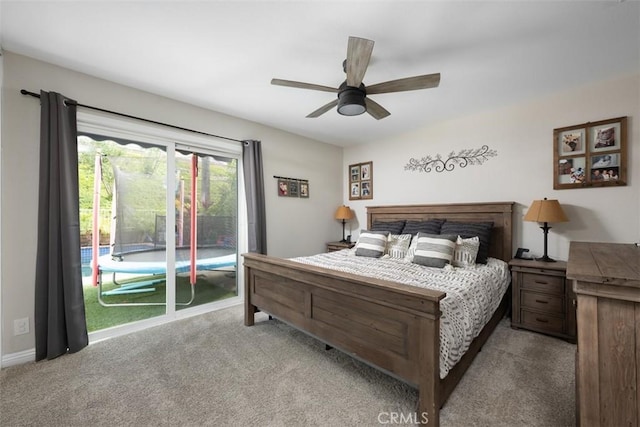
<point x="543" y="300"/>
<point x="337" y="246"/>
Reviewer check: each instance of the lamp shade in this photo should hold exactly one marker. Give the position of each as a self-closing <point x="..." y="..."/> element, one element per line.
<point x="545" y="211"/>
<point x="344" y="213"/>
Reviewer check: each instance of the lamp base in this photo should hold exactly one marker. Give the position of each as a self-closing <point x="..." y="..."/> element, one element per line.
<point x="545" y="257"/>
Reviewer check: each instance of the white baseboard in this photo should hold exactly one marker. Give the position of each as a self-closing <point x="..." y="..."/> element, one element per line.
<point x="18" y="358"/>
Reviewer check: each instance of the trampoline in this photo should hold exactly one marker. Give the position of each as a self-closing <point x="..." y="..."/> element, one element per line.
<point x="139" y="227"/>
<point x="153" y="262"/>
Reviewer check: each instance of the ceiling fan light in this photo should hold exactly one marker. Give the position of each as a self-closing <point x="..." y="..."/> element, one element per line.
<point x="351" y="102"/>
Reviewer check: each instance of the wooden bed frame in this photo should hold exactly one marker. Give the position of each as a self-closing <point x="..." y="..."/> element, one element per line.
<point x="391" y="326"/>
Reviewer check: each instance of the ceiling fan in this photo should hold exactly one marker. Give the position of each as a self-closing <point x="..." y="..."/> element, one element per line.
<point x="352" y="97"/>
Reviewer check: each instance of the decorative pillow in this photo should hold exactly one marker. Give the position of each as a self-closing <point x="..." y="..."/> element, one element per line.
<point x="466" y="252"/>
<point x="435" y="250"/>
<point x="371" y="243"/>
<point x="431" y="226"/>
<point x="393" y="227"/>
<point x="412" y="249"/>
<point x="472" y="229"/>
<point x="398" y="245"/>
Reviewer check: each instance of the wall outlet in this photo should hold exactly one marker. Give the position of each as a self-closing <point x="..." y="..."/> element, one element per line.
<point x="21" y="326"/>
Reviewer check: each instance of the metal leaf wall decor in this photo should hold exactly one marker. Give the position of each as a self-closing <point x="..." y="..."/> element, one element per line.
<point x="470" y="156"/>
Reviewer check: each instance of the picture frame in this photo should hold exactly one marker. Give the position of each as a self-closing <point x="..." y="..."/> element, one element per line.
<point x="592" y="154"/>
<point x="293" y="188"/>
<point x="603" y="137"/>
<point x="283" y="187"/>
<point x="572" y="142"/>
<point x="304" y="189"/>
<point x="355" y="191"/>
<point x="361" y="181"/>
<point x="354" y="173"/>
<point x="365" y="188"/>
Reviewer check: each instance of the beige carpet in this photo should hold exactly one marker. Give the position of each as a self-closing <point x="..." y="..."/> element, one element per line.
<point x="211" y="370"/>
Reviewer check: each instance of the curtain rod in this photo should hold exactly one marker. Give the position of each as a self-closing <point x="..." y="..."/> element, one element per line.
<point x="36" y="95"/>
<point x="291" y="179"/>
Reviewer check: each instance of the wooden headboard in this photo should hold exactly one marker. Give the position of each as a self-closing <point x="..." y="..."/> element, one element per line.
<point x="498" y="212"/>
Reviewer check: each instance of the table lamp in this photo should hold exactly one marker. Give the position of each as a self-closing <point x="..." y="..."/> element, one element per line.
<point x="343" y="213"/>
<point x="545" y="211"/>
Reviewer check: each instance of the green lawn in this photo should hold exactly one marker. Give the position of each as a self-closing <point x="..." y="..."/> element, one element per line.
<point x="211" y="286"/>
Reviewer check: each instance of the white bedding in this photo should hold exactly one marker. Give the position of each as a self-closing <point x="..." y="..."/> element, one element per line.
<point x="473" y="293"/>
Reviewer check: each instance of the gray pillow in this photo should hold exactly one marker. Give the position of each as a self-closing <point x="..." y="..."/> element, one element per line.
<point x="372" y="243"/>
<point x="430" y="226"/>
<point x="393" y="227"/>
<point x="435" y="250"/>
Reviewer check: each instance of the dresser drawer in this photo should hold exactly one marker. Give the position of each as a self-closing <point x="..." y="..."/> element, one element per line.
<point x="542" y="321"/>
<point x="544" y="302"/>
<point x="540" y="282"/>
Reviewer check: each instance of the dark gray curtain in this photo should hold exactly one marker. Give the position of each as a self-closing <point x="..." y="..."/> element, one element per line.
<point x="254" y="189"/>
<point x="60" y="324"/>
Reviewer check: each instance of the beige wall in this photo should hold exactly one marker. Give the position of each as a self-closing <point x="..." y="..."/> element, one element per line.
<point x="295" y="226"/>
<point x="523" y="169"/>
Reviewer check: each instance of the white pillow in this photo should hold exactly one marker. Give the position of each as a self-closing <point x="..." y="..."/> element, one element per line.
<point x="398" y="245"/>
<point x="412" y="249"/>
<point x="466" y="252"/>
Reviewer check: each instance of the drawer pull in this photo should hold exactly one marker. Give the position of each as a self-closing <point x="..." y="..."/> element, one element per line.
<point x="542" y="320"/>
<point x="542" y="302"/>
<point x="540" y="282"/>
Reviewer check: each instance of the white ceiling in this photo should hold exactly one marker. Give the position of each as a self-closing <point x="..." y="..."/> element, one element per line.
<point x="221" y="55"/>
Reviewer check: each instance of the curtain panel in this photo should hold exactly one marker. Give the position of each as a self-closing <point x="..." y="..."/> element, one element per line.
<point x="60" y="325"/>
<point x="254" y="189"/>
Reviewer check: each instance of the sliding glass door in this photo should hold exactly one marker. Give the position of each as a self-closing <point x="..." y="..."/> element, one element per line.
<point x="159" y="225"/>
<point x="122" y="195"/>
<point x="206" y="228"/>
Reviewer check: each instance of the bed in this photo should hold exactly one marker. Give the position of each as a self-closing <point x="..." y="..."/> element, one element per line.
<point x="348" y="311"/>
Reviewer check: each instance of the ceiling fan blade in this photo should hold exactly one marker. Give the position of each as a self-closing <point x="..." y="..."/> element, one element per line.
<point x="358" y="56"/>
<point x="320" y="111"/>
<point x="410" y="83"/>
<point x="376" y="110"/>
<point x="300" y="85"/>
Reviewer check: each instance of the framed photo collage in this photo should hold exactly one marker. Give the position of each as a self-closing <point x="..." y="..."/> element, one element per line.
<point x="591" y="154"/>
<point x="361" y="181"/>
<point x="293" y="187"/>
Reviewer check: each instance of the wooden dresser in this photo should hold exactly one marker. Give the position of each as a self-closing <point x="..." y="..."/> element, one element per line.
<point x="606" y="280"/>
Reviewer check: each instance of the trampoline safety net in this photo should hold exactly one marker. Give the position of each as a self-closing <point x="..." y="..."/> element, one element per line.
<point x="138" y="205"/>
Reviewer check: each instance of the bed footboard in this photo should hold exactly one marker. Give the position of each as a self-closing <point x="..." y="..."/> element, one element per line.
<point x="392" y="326"/>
